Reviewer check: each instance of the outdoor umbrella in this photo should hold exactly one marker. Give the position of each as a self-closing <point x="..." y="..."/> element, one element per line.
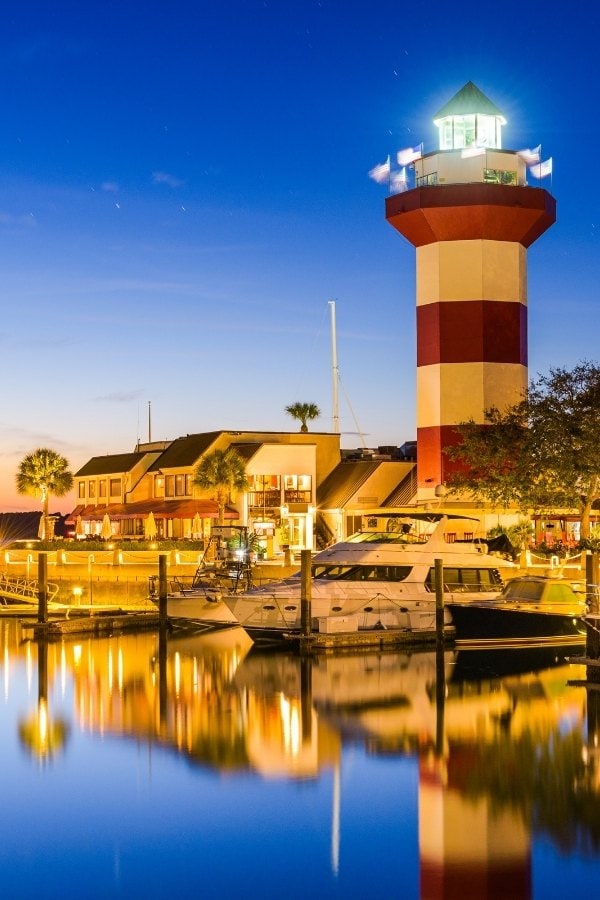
<point x="106" y="530"/>
<point x="197" y="527"/>
<point x="150" y="527"/>
<point x="79" y="529"/>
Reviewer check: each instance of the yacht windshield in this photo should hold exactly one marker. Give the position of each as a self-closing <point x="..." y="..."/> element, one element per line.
<point x="361" y="573"/>
<point x="386" y="537"/>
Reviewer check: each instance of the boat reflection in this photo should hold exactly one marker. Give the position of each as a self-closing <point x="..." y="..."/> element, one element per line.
<point x="505" y="750"/>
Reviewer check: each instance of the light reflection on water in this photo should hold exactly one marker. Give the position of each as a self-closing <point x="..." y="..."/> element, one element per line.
<point x="132" y="766"/>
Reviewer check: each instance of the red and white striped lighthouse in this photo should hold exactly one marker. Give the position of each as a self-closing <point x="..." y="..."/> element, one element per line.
<point x="471" y="217"/>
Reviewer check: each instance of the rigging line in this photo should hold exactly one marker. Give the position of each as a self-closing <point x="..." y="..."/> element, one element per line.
<point x="358" y="428"/>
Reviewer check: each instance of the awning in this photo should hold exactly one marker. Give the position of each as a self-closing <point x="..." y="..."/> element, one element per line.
<point x="161" y="509"/>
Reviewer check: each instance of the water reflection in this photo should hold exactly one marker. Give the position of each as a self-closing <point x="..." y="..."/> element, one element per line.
<point x="506" y="752"/>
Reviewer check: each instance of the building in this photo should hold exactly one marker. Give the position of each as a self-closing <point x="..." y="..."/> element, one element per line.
<point x="283" y="470"/>
<point x="471" y="216"/>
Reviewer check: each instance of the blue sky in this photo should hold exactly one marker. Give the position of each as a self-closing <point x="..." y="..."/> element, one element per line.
<point x="183" y="187"/>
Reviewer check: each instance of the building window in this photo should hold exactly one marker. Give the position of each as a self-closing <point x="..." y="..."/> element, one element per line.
<point x="180" y="485"/>
<point x="81" y="490"/>
<point x="102" y="487"/>
<point x="91" y="489"/>
<point x="115" y="487"/>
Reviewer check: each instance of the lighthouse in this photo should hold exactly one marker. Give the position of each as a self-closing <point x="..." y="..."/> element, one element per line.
<point x="471" y="217"/>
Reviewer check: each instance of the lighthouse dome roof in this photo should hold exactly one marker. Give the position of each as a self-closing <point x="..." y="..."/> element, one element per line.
<point x="467" y="101"/>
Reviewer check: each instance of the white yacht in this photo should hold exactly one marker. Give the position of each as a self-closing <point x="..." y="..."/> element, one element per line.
<point x="382" y="577"/>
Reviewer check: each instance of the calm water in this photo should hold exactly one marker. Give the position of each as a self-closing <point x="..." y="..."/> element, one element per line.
<point x="203" y="768"/>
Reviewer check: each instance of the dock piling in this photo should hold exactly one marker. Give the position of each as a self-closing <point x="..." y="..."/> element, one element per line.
<point x="162" y="590"/>
<point x="43" y="587"/>
<point x="306" y="592"/>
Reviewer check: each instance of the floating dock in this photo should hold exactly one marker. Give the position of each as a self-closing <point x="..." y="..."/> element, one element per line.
<point x="100" y="622"/>
<point x="383" y="639"/>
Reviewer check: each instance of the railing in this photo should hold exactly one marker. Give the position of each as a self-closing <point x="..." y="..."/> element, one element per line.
<point x="297" y="497"/>
<point x="264" y="499"/>
<point x="17" y="588"/>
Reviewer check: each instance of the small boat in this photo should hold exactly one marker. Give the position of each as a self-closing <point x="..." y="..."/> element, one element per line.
<point x="381" y="578"/>
<point x="198" y="601"/>
<point x="530" y="608"/>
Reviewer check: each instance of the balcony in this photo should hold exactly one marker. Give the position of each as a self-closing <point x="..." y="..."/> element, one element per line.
<point x="297" y="497"/>
<point x="264" y="499"/>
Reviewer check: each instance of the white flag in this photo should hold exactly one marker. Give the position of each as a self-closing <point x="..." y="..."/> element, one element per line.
<point x="398" y="181"/>
<point x="543" y="169"/>
<point x="408" y="155"/>
<point x="531" y="156"/>
<point x="381" y="173"/>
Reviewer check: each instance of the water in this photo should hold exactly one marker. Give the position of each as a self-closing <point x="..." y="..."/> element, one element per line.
<point x="131" y="768"/>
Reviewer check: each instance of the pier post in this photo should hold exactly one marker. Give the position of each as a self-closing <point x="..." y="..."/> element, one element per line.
<point x="42" y="587"/>
<point x="592" y="577"/>
<point x="439" y="601"/>
<point x="305" y="592"/>
<point x="162" y="590"/>
<point x="440" y="671"/>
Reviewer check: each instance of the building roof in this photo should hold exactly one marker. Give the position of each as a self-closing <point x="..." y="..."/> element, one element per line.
<point x="468" y="100"/>
<point x="247" y="451"/>
<point x="185" y="451"/>
<point x="404" y="493"/>
<point x="342" y="484"/>
<point x="110" y="465"/>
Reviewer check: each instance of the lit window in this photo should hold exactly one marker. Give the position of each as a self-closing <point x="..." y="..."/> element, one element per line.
<point x="102" y="487"/>
<point x="92" y="489"/>
<point x="81" y="490"/>
<point x="115" y="487"/>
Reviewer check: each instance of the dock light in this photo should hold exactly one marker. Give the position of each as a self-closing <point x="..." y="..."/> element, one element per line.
<point x="77" y="592"/>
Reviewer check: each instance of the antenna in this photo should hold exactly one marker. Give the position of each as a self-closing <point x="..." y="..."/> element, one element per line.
<point x="334" y="370"/>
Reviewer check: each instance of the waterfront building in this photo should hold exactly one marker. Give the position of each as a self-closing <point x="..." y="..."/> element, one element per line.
<point x="303" y="491"/>
<point x="283" y="469"/>
<point x="471" y="215"/>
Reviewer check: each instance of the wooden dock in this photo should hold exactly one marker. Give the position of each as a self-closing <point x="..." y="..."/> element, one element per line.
<point x="101" y="622"/>
<point x="384" y="639"/>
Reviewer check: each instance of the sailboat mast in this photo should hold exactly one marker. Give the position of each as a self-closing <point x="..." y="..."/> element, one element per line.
<point x="149" y="421"/>
<point x="334" y="370"/>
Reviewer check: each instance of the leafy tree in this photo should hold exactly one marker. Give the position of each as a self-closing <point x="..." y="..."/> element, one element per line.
<point x="303" y="413"/>
<point x="541" y="453"/>
<point x="223" y="471"/>
<point x="44" y="473"/>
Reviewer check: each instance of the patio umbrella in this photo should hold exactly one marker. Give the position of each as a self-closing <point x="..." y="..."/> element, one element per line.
<point x="79" y="529"/>
<point x="197" y="527"/>
<point x="106" y="530"/>
<point x="150" y="527"/>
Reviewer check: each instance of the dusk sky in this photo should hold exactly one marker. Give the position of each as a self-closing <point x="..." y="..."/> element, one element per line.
<point x="183" y="187"/>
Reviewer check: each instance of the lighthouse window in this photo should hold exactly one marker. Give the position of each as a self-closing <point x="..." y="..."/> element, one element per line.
<point x="499" y="176"/>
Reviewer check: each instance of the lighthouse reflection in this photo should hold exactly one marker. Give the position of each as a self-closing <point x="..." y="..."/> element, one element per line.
<point x="512" y="755"/>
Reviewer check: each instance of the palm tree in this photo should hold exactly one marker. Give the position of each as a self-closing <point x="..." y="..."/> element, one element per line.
<point x="223" y="471"/>
<point x="303" y="412"/>
<point x="41" y="474"/>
